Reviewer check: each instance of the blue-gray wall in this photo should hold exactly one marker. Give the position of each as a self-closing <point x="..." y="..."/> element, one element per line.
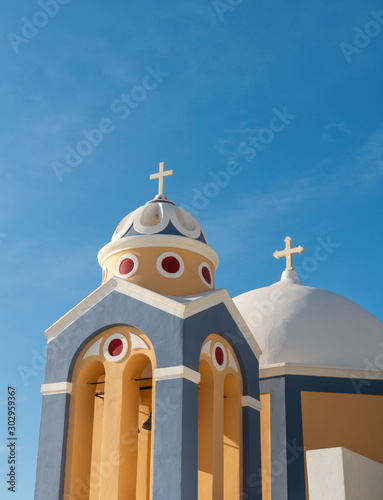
<point x="287" y="448"/>
<point x="175" y="342"/>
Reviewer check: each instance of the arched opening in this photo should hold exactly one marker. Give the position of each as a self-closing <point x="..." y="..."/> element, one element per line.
<point x="219" y="422"/>
<point x="109" y="446"/>
<point x="205" y="431"/>
<point x="84" y="449"/>
<point x="232" y="438"/>
<point x="136" y="429"/>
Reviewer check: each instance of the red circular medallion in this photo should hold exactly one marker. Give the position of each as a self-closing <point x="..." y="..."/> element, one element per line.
<point x="115" y="347"/>
<point x="206" y="274"/>
<point x="219" y="356"/>
<point x="171" y="265"/>
<point x="126" y="266"/>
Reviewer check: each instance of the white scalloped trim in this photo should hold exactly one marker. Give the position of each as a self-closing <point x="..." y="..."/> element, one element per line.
<point x="206" y="348"/>
<point x="180" y="213"/>
<point x="138" y="342"/>
<point x="148" y="211"/>
<point x="94" y="349"/>
<point x="123" y="226"/>
<point x="142" y="220"/>
<point x="232" y="362"/>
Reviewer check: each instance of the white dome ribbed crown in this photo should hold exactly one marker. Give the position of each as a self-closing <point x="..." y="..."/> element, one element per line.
<point x="160" y="223"/>
<point x="160" y="217"/>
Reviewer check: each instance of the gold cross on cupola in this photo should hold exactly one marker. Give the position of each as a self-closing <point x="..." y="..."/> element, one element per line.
<point x="161" y="179"/>
<point x="288" y="252"/>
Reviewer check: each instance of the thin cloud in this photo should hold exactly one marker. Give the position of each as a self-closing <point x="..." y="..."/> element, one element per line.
<point x="371" y="160"/>
<point x="228" y="144"/>
<point x="374" y="146"/>
<point x="333" y="131"/>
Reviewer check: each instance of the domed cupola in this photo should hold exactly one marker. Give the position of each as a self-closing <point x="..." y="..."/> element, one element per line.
<point x="302" y="325"/>
<point x="162" y="247"/>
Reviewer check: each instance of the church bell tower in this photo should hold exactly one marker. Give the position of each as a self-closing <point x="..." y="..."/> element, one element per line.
<point x="151" y="386"/>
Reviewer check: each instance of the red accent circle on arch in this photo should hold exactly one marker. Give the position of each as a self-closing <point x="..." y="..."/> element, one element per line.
<point x="115" y="347"/>
<point x="219" y="356"/>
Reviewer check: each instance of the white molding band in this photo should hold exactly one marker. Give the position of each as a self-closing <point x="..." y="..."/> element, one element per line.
<point x="158" y="240"/>
<point x="56" y="388"/>
<point x="280" y="369"/>
<point x="174" y="372"/>
<point x="182" y="307"/>
<point x="82" y="308"/>
<point x="251" y="403"/>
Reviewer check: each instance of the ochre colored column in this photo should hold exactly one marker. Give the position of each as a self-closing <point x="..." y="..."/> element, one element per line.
<point x="111" y="439"/>
<point x="218" y="440"/>
<point x="232" y="438"/>
<point x="98" y="419"/>
<point x="79" y="452"/>
<point x="144" y="446"/>
<point x="205" y="432"/>
<point x="136" y="442"/>
<point x="129" y="438"/>
<point x="266" y="446"/>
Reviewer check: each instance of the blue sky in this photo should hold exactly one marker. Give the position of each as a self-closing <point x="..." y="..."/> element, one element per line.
<point x="224" y="72"/>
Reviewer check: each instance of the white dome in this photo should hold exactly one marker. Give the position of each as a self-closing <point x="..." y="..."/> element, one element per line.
<point x="298" y="324"/>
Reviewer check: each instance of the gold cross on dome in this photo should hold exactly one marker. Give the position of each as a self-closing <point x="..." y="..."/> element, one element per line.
<point x="161" y="178"/>
<point x="288" y="252"/>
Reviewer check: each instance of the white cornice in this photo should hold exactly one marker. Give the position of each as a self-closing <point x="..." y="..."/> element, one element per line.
<point x="280" y="369"/>
<point x="251" y="403"/>
<point x="80" y="309"/>
<point x="158" y="240"/>
<point x="56" y="388"/>
<point x="181" y="307"/>
<point x="174" y="372"/>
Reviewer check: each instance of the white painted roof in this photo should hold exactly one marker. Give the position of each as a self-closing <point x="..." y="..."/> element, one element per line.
<point x="294" y="323"/>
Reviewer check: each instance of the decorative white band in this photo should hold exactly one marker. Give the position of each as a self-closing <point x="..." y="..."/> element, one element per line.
<point x="252" y="403"/>
<point x="56" y="388"/>
<point x="177" y="372"/>
<point x="280" y="369"/>
<point x="158" y="240"/>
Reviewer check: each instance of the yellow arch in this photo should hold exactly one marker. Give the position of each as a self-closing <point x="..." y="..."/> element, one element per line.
<point x="219" y="422"/>
<point x="105" y="403"/>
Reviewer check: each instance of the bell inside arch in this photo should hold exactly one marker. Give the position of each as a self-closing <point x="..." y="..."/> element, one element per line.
<point x="147" y="425"/>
